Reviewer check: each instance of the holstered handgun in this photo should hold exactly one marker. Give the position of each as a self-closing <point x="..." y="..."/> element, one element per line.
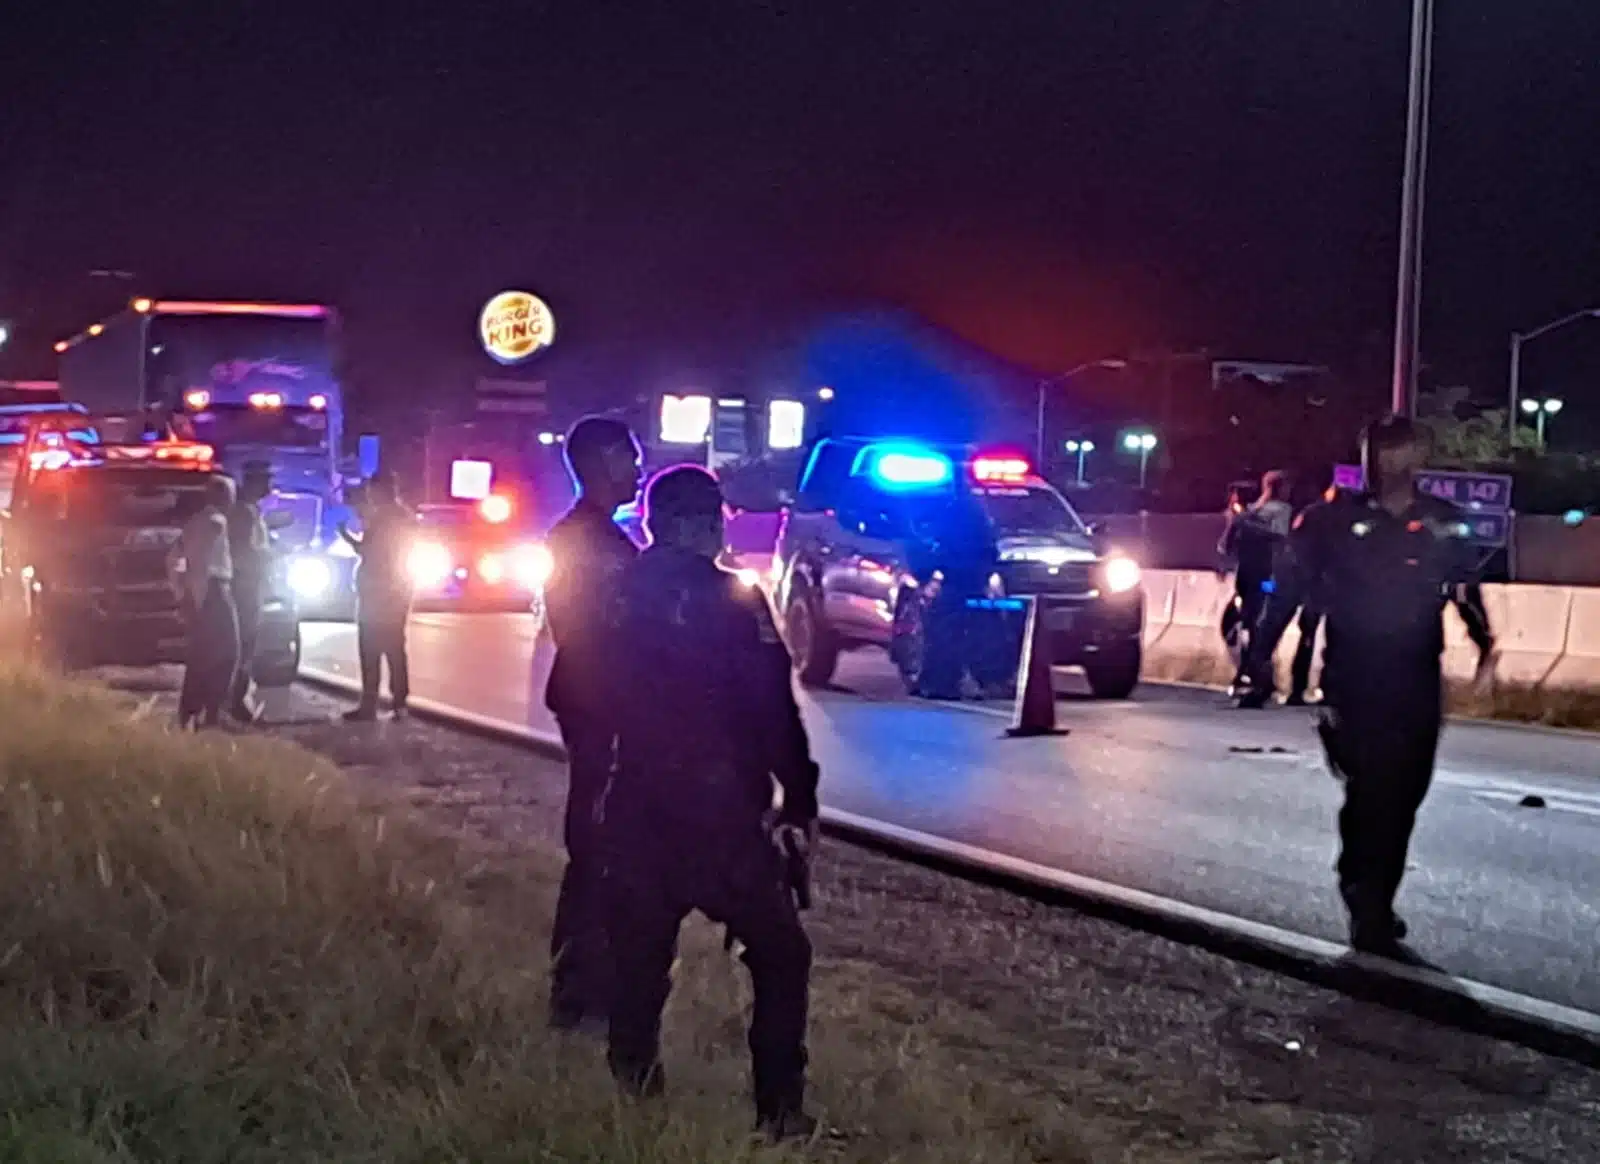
<point x="797" y="868"/>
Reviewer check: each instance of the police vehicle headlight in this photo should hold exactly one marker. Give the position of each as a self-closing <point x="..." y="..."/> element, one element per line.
<point x="1122" y="575"/>
<point x="428" y="564"/>
<point x="492" y="569"/>
<point x="310" y="577"/>
<point x="532" y="566"/>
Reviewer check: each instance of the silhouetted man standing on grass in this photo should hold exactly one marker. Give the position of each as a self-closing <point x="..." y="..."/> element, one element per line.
<point x="589" y="552"/>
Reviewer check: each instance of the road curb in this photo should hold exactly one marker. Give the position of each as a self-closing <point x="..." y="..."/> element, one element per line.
<point x="1545" y="1026"/>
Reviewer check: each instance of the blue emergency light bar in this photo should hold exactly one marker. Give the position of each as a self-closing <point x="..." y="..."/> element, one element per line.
<point x="903" y="466"/>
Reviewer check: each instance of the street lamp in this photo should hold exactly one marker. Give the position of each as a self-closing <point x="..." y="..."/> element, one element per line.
<point x="1144" y="444"/>
<point x="1045" y="385"/>
<point x="1083" y="449"/>
<point x="1518" y="338"/>
<point x="1540" y="410"/>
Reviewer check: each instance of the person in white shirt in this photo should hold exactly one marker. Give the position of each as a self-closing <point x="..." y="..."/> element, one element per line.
<point x="203" y="568"/>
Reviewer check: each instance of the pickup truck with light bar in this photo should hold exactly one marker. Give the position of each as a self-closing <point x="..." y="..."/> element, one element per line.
<point x="846" y="571"/>
<point x="99" y="502"/>
<point x="256" y="382"/>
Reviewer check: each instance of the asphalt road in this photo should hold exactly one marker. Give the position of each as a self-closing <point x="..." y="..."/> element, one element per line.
<point x="1172" y="792"/>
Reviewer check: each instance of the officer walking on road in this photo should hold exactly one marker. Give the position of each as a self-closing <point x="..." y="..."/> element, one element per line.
<point x="383" y="596"/>
<point x="249" y="544"/>
<point x="1386" y="562"/>
<point x="590" y="552"/>
<point x="712" y="723"/>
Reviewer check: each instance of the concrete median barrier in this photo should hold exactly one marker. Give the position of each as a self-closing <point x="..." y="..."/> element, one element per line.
<point x="1578" y="668"/>
<point x="1549" y="636"/>
<point x="1160" y="598"/>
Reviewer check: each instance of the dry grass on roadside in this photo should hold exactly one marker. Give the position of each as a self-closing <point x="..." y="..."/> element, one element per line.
<point x="1511" y="702"/>
<point x="209" y="952"/>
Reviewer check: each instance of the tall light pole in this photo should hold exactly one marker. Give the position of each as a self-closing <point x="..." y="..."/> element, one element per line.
<point x="1518" y="338"/>
<point x="1082" y="449"/>
<point x="1144" y="444"/>
<point x="1408" y="298"/>
<point x="1046" y="385"/>
<point x="1540" y="410"/>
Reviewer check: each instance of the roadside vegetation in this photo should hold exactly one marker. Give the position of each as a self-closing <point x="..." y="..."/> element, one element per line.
<point x="210" y="950"/>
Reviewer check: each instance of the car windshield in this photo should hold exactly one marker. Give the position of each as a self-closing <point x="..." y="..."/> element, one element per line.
<point x="121" y="497"/>
<point x="284" y="428"/>
<point x="1029" y="510"/>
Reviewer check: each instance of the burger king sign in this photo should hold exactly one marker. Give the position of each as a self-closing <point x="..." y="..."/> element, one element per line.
<point x="514" y="326"/>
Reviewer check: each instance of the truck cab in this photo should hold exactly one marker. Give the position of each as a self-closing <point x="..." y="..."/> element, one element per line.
<point x="858" y="560"/>
<point x="257" y="382"/>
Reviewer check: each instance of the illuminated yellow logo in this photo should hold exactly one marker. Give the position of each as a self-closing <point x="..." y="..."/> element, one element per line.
<point x="514" y="326"/>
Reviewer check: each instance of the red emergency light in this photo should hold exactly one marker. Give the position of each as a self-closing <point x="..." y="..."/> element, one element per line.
<point x="1001" y="468"/>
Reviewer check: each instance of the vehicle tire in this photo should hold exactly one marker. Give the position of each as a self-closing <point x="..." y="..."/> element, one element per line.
<point x="813" y="645"/>
<point x="281" y="673"/>
<point x="1113" y="674"/>
<point x="908" y="648"/>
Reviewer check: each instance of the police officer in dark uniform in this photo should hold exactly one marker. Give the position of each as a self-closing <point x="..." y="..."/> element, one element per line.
<point x="589" y="553"/>
<point x="1308" y="622"/>
<point x="1386" y="562"/>
<point x="955" y="541"/>
<point x="383" y="596"/>
<point x="1252" y="542"/>
<point x="711" y="726"/>
<point x="249" y="543"/>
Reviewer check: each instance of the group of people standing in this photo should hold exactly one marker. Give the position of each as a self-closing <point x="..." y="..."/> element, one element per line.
<point x="1379" y="565"/>
<point x="672" y="690"/>
<point x="220" y="565"/>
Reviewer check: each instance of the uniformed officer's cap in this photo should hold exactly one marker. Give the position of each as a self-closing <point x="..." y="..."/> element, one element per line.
<point x="684" y="495"/>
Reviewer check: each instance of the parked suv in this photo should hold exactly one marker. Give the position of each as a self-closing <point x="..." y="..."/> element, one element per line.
<point x="851" y="568"/>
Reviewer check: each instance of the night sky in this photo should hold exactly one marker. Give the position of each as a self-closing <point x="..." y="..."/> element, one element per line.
<point x="1055" y="181"/>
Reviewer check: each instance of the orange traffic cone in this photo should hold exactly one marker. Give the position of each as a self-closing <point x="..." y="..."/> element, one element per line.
<point x="1035" y="711"/>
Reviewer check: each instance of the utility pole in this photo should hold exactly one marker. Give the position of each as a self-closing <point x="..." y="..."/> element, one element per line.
<point x="1408" y="295"/>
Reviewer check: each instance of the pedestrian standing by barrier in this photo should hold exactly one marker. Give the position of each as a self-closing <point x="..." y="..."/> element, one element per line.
<point x="1310" y="620"/>
<point x="712" y="724"/>
<point x="1251" y="545"/>
<point x="1387" y="561"/>
<point x="202" y="569"/>
<point x="248" y="543"/>
<point x="589" y="552"/>
<point x="383" y="596"/>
